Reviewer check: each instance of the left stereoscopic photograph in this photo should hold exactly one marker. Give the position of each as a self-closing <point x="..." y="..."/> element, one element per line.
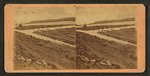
<point x="44" y="38"/>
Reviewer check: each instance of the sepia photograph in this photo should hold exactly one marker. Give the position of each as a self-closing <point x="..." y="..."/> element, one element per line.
<point x="74" y="38"/>
<point x="107" y="38"/>
<point x="44" y="38"/>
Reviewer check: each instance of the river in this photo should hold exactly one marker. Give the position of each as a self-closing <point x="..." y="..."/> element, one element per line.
<point x="94" y="33"/>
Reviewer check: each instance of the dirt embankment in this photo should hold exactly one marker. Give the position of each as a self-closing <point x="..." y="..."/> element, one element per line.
<point x="40" y="26"/>
<point x="96" y="53"/>
<point x="41" y="54"/>
<point x="87" y="28"/>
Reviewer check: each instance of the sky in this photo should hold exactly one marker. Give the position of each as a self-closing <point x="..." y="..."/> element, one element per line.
<point x="27" y="14"/>
<point x="92" y="14"/>
<point x="82" y="14"/>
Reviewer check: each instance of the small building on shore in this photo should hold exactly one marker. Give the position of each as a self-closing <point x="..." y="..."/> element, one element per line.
<point x="85" y="25"/>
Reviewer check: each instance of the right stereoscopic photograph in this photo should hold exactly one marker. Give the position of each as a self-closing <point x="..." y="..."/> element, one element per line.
<point x="106" y="37"/>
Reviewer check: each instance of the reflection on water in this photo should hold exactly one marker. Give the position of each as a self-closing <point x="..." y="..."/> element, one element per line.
<point x="94" y="33"/>
<point x="30" y="32"/>
<point x="91" y="32"/>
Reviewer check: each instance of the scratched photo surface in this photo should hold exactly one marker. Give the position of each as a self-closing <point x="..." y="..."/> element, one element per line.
<point x="68" y="38"/>
<point x="44" y="38"/>
<point x="107" y="38"/>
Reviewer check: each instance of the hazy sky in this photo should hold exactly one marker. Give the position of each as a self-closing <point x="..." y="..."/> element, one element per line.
<point x="92" y="14"/>
<point x="82" y="14"/>
<point x="26" y="14"/>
